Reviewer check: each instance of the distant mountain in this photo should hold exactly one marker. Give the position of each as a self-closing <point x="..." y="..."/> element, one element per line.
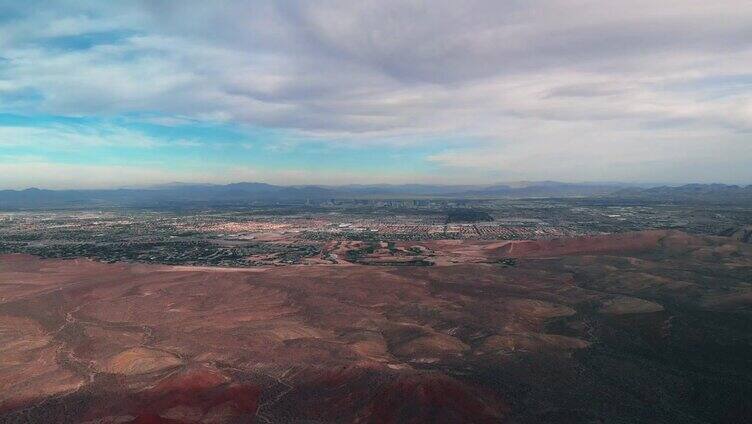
<point x="176" y="184"/>
<point x="171" y="194"/>
<point x="177" y="194"/>
<point x="404" y="189"/>
<point x="711" y="193"/>
<point x="545" y="189"/>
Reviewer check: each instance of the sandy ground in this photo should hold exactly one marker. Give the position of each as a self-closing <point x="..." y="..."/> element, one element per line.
<point x="86" y="341"/>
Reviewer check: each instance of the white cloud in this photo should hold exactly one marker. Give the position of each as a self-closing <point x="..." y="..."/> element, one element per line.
<point x="75" y="137"/>
<point x="56" y="137"/>
<point x="557" y="82"/>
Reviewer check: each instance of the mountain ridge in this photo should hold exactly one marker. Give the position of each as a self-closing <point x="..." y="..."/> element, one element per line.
<point x="240" y="192"/>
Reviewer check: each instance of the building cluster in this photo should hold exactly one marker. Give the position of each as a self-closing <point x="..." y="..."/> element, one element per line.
<point x="284" y="235"/>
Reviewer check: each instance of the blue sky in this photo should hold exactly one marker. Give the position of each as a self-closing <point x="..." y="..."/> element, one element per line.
<point x="203" y="151"/>
<point x="128" y="140"/>
<point x="109" y="94"/>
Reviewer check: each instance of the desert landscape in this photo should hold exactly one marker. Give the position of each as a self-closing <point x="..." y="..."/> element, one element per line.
<point x="375" y="212"/>
<point x="650" y="326"/>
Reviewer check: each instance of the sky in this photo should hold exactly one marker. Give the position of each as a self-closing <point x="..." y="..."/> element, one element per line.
<point x="131" y="93"/>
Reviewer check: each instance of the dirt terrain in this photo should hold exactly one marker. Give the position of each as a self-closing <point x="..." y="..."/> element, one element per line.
<point x="639" y="327"/>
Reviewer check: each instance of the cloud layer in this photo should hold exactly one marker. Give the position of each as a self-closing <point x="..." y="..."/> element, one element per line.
<point x="586" y="90"/>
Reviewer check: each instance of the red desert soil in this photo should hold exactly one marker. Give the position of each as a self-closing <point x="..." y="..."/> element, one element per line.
<point x="82" y="341"/>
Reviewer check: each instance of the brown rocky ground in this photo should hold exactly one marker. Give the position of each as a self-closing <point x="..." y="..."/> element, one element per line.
<point x="641" y="327"/>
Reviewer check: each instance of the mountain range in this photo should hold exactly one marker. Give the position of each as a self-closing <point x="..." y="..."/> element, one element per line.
<point x="249" y="192"/>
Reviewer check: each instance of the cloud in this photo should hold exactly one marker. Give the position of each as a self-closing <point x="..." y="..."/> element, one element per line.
<point x="547" y="81"/>
<point x="663" y="156"/>
<point x="66" y="137"/>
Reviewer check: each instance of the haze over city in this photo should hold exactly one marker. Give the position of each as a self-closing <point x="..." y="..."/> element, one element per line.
<point x="112" y="94"/>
